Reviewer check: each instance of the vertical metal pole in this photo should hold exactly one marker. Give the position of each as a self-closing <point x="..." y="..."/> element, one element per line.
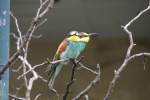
<point x="4" y="47"/>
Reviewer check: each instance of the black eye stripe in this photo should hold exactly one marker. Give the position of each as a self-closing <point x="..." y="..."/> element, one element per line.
<point x="81" y="36"/>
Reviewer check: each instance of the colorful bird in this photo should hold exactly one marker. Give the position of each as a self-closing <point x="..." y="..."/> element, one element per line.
<point x="70" y="48"/>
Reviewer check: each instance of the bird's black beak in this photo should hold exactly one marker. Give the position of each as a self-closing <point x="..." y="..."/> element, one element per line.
<point x="93" y="34"/>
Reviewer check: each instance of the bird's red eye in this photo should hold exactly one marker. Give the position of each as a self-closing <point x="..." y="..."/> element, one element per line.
<point x="81" y="36"/>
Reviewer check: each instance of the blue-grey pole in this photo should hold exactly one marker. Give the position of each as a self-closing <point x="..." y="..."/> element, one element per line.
<point x="4" y="47"/>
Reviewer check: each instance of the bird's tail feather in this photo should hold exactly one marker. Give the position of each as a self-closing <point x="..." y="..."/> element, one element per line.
<point x="51" y="68"/>
<point x="54" y="70"/>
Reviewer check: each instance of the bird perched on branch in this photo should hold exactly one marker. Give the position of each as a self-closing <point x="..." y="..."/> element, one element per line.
<point x="70" y="48"/>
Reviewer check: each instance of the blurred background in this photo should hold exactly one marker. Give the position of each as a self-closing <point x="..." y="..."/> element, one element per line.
<point x="108" y="49"/>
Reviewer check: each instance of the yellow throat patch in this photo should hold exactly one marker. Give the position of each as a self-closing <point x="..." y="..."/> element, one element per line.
<point x="85" y="39"/>
<point x="73" y="38"/>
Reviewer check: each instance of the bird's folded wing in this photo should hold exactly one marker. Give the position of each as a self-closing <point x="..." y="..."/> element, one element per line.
<point x="61" y="48"/>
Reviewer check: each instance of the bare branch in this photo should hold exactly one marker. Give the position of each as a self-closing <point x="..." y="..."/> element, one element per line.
<point x="37" y="96"/>
<point x="49" y="7"/>
<point x="23" y="45"/>
<point x="92" y="84"/>
<point x="11" y="61"/>
<point x="41" y="23"/>
<point x="44" y="80"/>
<point x="31" y="69"/>
<point x="138" y="55"/>
<point x="42" y="64"/>
<point x="34" y="24"/>
<point x="128" y="54"/>
<point x="136" y="17"/>
<point x="90" y="70"/>
<point x="17" y="70"/>
<point x="71" y="80"/>
<point x="17" y="26"/>
<point x="86" y="97"/>
<point x="16" y="98"/>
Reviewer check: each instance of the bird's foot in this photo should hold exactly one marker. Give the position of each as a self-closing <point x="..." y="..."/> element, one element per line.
<point x="72" y="60"/>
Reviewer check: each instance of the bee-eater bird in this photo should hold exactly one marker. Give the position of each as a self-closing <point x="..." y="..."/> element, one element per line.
<point x="70" y="48"/>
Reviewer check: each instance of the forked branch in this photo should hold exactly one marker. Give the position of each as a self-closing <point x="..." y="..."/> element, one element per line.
<point x="128" y="57"/>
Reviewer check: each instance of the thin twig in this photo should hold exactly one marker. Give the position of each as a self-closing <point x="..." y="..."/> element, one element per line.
<point x="31" y="69"/>
<point x="16" y="98"/>
<point x="37" y="96"/>
<point x="92" y="84"/>
<point x="42" y="64"/>
<point x="17" y="26"/>
<point x="84" y="67"/>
